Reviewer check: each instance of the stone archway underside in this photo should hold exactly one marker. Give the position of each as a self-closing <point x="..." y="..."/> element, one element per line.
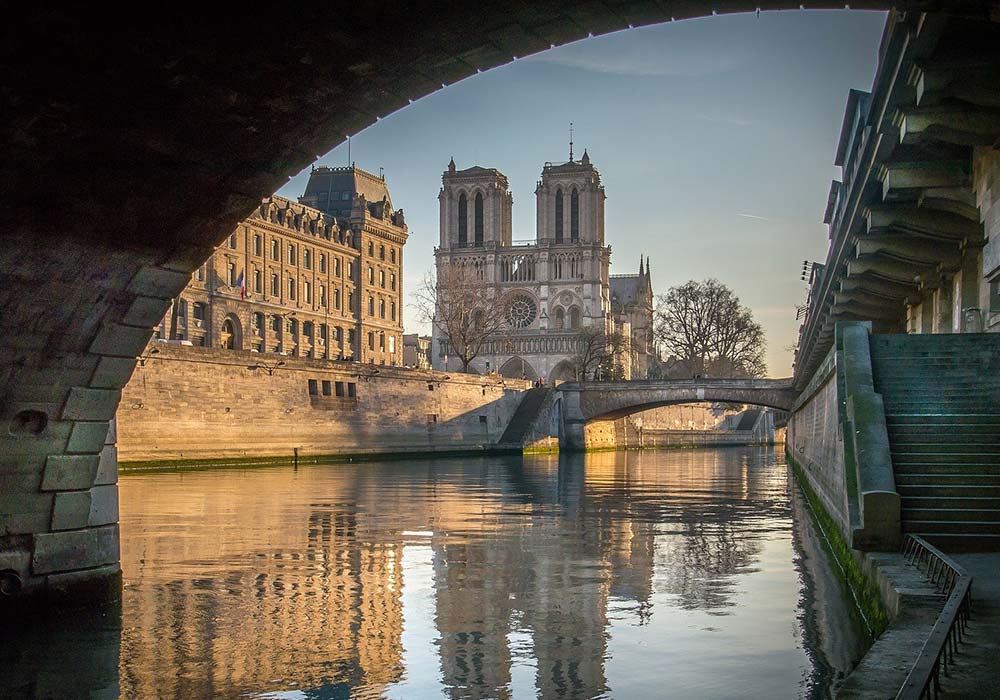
<point x="131" y="148"/>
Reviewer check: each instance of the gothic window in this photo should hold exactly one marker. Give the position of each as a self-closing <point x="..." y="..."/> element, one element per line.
<point x="574" y="318"/>
<point x="463" y="220"/>
<point x="574" y="215"/>
<point x="559" y="216"/>
<point x="560" y="319"/>
<point x="557" y="269"/>
<point x="522" y="311"/>
<point x="479" y="217"/>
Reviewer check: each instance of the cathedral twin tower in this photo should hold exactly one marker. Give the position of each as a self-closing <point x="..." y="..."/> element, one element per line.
<point x="558" y="282"/>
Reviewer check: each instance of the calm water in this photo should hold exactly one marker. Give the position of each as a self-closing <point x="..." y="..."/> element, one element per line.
<point x="680" y="574"/>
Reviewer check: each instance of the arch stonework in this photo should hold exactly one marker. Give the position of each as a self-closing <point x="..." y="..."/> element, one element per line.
<point x="134" y="200"/>
<point x="587" y="401"/>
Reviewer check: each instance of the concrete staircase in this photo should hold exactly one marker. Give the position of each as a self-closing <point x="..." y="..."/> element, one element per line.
<point x="942" y="411"/>
<point x="524" y="417"/>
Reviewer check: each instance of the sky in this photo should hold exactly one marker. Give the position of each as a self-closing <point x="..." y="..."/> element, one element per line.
<point x="714" y="137"/>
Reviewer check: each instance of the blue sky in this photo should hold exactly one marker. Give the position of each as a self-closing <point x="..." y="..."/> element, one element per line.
<point x="714" y="137"/>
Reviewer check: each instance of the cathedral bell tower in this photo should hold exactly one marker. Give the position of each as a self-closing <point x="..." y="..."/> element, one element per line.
<point x="475" y="208"/>
<point x="569" y="202"/>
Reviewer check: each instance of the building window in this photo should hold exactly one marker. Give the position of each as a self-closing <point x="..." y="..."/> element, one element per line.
<point x="313" y="387"/>
<point x="463" y="220"/>
<point x="381" y="342"/>
<point x="322" y="296"/>
<point x="199" y="274"/>
<point x="275" y="250"/>
<point x="350" y="269"/>
<point x="291" y="288"/>
<point x="352" y="390"/>
<point x="275" y="286"/>
<point x="258" y="283"/>
<point x="336" y="298"/>
<point x="574" y="318"/>
<point x="381" y="252"/>
<point x="392" y="281"/>
<point x="326" y="387"/>
<point x="198" y="312"/>
<point x="230" y="274"/>
<point x="392" y="344"/>
<point x="392" y="255"/>
<point x="257" y="322"/>
<point x="345" y="196"/>
<point x="350" y="338"/>
<point x="306" y="293"/>
<point x="291" y="255"/>
<point x="371" y="340"/>
<point x="479" y="217"/>
<point x="350" y="302"/>
<point x="560" y="321"/>
<point x="432" y="418"/>
<point x="381" y="308"/>
<point x="371" y="306"/>
<point x="574" y="215"/>
<point x="276" y="324"/>
<point x="307" y="258"/>
<point x="559" y="216"/>
<point x="232" y="241"/>
<point x="371" y="249"/>
<point x="308" y="329"/>
<point x="371" y="275"/>
<point x="392" y="310"/>
<point x="258" y="245"/>
<point x="336" y="267"/>
<point x="339" y="388"/>
<point x="381" y="278"/>
<point x="322" y="263"/>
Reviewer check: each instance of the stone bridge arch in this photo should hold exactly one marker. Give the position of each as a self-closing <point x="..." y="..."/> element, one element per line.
<point x="588" y="401"/>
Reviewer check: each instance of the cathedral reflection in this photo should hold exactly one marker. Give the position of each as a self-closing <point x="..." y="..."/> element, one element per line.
<point x="539" y="549"/>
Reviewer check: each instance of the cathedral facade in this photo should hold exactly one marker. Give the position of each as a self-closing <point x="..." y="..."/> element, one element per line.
<point x="556" y="285"/>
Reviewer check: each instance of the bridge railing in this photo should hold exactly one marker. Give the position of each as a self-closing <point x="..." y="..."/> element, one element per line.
<point x="785" y="383"/>
<point x="938" y="652"/>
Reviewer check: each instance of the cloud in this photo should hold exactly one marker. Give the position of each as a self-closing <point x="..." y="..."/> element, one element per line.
<point x="753" y="216"/>
<point x="645" y="58"/>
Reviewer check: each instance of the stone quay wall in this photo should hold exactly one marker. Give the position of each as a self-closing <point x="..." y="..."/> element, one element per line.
<point x="192" y="403"/>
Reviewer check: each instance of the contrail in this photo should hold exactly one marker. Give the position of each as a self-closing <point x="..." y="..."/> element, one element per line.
<point x="752" y="216"/>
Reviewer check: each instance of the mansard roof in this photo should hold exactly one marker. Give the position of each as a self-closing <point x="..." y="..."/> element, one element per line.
<point x="325" y="179"/>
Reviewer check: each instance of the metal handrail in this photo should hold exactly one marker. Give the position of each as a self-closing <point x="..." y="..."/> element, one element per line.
<point x="938" y="652"/>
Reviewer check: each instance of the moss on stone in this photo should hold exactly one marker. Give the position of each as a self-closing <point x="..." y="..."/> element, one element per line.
<point x="862" y="588"/>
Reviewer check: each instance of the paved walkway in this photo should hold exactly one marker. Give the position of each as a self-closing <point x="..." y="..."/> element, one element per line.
<point x="976" y="672"/>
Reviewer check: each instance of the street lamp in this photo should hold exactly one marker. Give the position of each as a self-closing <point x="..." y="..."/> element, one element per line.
<point x="270" y="369"/>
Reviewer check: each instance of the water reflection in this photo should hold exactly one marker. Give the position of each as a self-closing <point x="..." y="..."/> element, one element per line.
<point x="607" y="575"/>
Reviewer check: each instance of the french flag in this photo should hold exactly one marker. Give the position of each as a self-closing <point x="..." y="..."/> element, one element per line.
<point x="241" y="283"/>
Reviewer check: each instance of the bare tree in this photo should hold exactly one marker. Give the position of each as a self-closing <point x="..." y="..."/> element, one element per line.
<point x="465" y="309"/>
<point x="708" y="330"/>
<point x="598" y="354"/>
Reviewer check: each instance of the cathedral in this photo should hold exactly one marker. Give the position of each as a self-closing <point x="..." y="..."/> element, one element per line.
<point x="555" y="285"/>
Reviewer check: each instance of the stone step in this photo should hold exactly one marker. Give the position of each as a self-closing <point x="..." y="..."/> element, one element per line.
<point x="948" y="509"/>
<point x="918" y="434"/>
<point x="960" y="527"/>
<point x="943" y="419"/>
<point x="958" y="445"/>
<point x="952" y="542"/>
<point x="900" y="457"/>
<point x="953" y="479"/>
<point x="952" y="490"/>
<point x="991" y="467"/>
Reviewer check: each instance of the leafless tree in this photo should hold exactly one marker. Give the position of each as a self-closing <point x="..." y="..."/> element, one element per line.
<point x="465" y="309"/>
<point x="598" y="354"/>
<point x="704" y="326"/>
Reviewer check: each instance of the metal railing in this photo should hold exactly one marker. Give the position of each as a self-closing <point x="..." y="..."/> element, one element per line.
<point x="938" y="652"/>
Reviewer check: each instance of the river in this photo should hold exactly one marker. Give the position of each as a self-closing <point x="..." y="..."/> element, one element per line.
<point x="654" y="574"/>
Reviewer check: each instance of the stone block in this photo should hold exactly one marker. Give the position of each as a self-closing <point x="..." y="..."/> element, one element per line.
<point x="71" y="510"/>
<point x="113" y="372"/>
<point x="91" y="404"/>
<point x="118" y="340"/>
<point x="69" y="472"/>
<point x="158" y="282"/>
<point x="103" y="505"/>
<point x="107" y="468"/>
<point x="103" y="583"/>
<point x="87" y="437"/>
<point x="145" y="312"/>
<point x="76" y="549"/>
<point x="22" y="514"/>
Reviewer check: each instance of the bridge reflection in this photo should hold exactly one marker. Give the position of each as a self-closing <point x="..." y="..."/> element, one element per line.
<point x="353" y="580"/>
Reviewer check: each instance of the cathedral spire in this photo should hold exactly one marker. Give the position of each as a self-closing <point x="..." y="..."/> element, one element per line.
<point x="571" y="142"/>
<point x="451" y="165"/>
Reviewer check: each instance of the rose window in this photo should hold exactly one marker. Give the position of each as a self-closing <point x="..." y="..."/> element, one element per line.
<point x="522" y="312"/>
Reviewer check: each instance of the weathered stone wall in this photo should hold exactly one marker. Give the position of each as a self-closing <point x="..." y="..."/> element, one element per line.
<point x="695" y="416"/>
<point x="986" y="184"/>
<point x="200" y="403"/>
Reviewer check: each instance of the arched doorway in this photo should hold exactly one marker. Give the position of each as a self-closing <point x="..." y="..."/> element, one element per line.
<point x="231" y="336"/>
<point x="562" y="372"/>
<point x="518" y="368"/>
